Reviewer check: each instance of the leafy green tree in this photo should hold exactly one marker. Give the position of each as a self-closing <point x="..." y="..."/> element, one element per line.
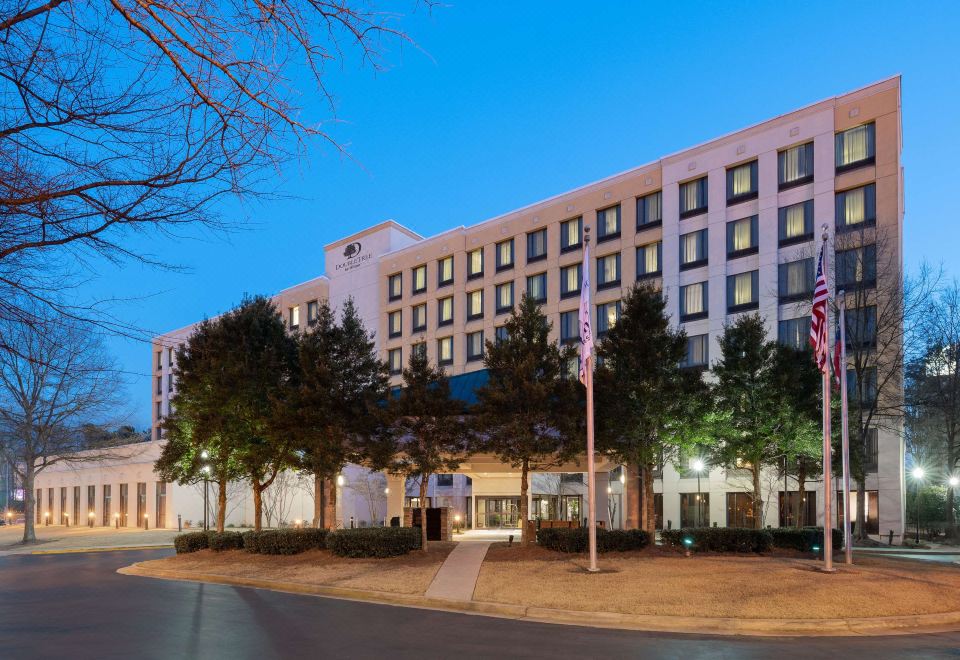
<point x="427" y="434"/>
<point x="648" y="406"/>
<point x="529" y="413"/>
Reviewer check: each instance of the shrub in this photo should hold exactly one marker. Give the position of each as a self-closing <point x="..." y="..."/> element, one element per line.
<point x="374" y="541"/>
<point x="803" y="538"/>
<point x="719" y="539"/>
<point x="191" y="542"/>
<point x="576" y="539"/>
<point x="284" y="541"/>
<point x="219" y="541"/>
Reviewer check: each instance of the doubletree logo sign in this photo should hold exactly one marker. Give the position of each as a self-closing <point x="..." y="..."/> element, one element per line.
<point x="354" y="257"/>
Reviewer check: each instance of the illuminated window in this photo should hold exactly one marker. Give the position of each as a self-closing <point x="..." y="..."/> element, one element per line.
<point x="419" y="317"/>
<point x="504" y="297"/>
<point x="475" y="304"/>
<point x="475" y="346"/>
<point x="420" y="279"/>
<point x="608" y="223"/>
<point x="395" y="286"/>
<point x="505" y="254"/>
<point x="693" y="301"/>
<point x="743" y="291"/>
<point x="650" y="210"/>
<point x="693" y="249"/>
<point x="796" y="223"/>
<point x="475" y="263"/>
<point x="856" y="208"/>
<point x="445" y="350"/>
<point x="649" y="258"/>
<point x="794" y="332"/>
<point x="570" y="278"/>
<point x="445" y="271"/>
<point x="294" y="317"/>
<point x="395" y="324"/>
<point x="607" y="316"/>
<point x="395" y="360"/>
<point x="742" y="237"/>
<point x="571" y="234"/>
<point x="855" y="147"/>
<point x="445" y="311"/>
<point x="693" y="197"/>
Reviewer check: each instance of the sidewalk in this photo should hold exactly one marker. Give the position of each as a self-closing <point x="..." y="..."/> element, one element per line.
<point x="56" y="538"/>
<point x="457" y="576"/>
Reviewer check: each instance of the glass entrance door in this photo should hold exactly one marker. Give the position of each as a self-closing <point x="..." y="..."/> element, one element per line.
<point x="498" y="512"/>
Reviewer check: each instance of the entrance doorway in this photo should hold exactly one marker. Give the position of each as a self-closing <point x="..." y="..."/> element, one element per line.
<point x="498" y="512"/>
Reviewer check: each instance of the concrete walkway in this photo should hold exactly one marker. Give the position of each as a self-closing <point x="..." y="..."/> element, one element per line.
<point x="457" y="576"/>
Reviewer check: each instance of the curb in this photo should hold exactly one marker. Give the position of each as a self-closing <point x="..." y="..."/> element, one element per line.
<point x="70" y="551"/>
<point x="850" y="627"/>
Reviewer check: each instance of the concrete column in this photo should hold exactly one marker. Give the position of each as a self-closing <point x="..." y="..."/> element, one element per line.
<point x="397" y="486"/>
<point x="530" y="498"/>
<point x="601" y="480"/>
<point x="473" y="511"/>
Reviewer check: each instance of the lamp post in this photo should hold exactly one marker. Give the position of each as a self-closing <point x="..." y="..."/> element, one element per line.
<point x="206" y="495"/>
<point x="90" y="517"/>
<point x="918" y="477"/>
<point x="46" y="518"/>
<point x="698" y="468"/>
<point x="116" y="520"/>
<point x="9" y="518"/>
<point x="146" y="522"/>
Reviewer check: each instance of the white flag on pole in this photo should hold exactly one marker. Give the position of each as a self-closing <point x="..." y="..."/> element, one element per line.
<point x="586" y="327"/>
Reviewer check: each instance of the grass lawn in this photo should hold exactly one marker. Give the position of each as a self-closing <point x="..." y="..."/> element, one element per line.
<point x="409" y="574"/>
<point x="657" y="582"/>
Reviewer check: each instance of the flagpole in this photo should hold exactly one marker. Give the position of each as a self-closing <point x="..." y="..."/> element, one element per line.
<point x="845" y="428"/>
<point x="827" y="445"/>
<point x="588" y="381"/>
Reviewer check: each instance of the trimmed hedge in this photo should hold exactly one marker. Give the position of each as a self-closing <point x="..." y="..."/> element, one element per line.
<point x="219" y="541"/>
<point x="719" y="539"/>
<point x="803" y="538"/>
<point x="284" y="541"/>
<point x="191" y="542"/>
<point x="374" y="541"/>
<point x="576" y="539"/>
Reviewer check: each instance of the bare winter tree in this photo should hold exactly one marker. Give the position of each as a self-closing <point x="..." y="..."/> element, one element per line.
<point x="56" y="379"/>
<point x="370" y="486"/>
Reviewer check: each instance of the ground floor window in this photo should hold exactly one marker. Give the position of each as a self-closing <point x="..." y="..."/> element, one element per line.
<point x="124" y="504"/>
<point x="161" y="507"/>
<point x="797" y="511"/>
<point x="141" y="503"/>
<point x="740" y="510"/>
<point x="64" y="513"/>
<point x="871" y="511"/>
<point x="48" y="514"/>
<point x="498" y="512"/>
<point x="91" y="502"/>
<point x="76" y="505"/>
<point x="695" y="509"/>
<point x="658" y="510"/>
<point x="557" y="507"/>
<point x="414" y="502"/>
<point x="38" y="506"/>
<point x="106" y="505"/>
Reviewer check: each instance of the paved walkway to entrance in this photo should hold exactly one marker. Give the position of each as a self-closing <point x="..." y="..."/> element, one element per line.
<point x="458" y="574"/>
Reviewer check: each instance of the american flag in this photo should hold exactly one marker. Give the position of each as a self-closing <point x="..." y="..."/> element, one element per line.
<point x="818" y="318"/>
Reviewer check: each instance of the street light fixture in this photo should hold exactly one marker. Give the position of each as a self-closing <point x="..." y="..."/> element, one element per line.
<point x="46" y="518"/>
<point x="206" y="493"/>
<point x="918" y="478"/>
<point x="698" y="468"/>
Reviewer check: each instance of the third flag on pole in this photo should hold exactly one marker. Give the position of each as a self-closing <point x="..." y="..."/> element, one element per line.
<point x="586" y="328"/>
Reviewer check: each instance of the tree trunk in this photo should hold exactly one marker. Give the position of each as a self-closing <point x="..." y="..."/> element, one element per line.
<point x="801" y="494"/>
<point x="650" y="510"/>
<point x="29" y="503"/>
<point x="757" y="497"/>
<point x="221" y="504"/>
<point x="424" y="483"/>
<point x="861" y="511"/>
<point x="633" y="497"/>
<point x="317" y="500"/>
<point x="524" y="510"/>
<point x="330" y="505"/>
<point x="257" y="507"/>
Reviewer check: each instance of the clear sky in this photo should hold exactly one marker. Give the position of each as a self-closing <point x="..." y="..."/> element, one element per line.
<point x="509" y="103"/>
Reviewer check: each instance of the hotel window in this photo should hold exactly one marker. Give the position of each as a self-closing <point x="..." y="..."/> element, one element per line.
<point x="419" y="317"/>
<point x="159" y="384"/>
<point x="742" y="183"/>
<point x="445" y="351"/>
<point x="445" y="271"/>
<point x="743" y="291"/>
<point x="868" y="395"/>
<point x="693" y="197"/>
<point x="159" y="410"/>
<point x="569" y="326"/>
<point x="475" y="346"/>
<point x="444" y="479"/>
<point x="501" y="334"/>
<point x="855" y="147"/>
<point x="170" y="383"/>
<point x="743" y="237"/>
<point x="607" y="316"/>
<point x="537" y="287"/>
<point x="313" y="312"/>
<point x="141" y="503"/>
<point x="693" y="301"/>
<point x="124" y="508"/>
<point x="795" y="280"/>
<point x="608" y="271"/>
<point x="419" y="274"/>
<point x="419" y="349"/>
<point x="570" y="278"/>
<point x="505" y="254"/>
<point x="693" y="249"/>
<point x="170" y="357"/>
<point x="571" y="234"/>
<point x="395" y="286"/>
<point x="698" y="352"/>
<point x="608" y="223"/>
<point x="794" y="332"/>
<point x="796" y="223"/>
<point x="445" y="311"/>
<point x="475" y="263"/>
<point x="159" y="360"/>
<point x="650" y="260"/>
<point x="537" y="245"/>
<point x="161" y="505"/>
<point x="650" y="210"/>
<point x="395" y="361"/>
<point x="395" y="323"/>
<point x="572" y="367"/>
<point x="795" y="166"/>
<point x="740" y="510"/>
<point x="857" y="267"/>
<point x="861" y="327"/>
<point x="475" y="305"/>
<point x="857" y="208"/>
<point x="871" y="460"/>
<point x="504" y="297"/>
<point x="295" y="317"/>
<point x="91" y="502"/>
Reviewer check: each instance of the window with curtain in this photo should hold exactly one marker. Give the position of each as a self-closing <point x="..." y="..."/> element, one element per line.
<point x="650" y="210"/>
<point x="420" y="348"/>
<point x="445" y="350"/>
<point x="693" y="197"/>
<point x="795" y="166"/>
<point x="693" y="249"/>
<point x="742" y="237"/>
<point x="796" y="223"/>
<point x="395" y="286"/>
<point x="867" y="394"/>
<point x="857" y="267"/>
<point x="475" y="263"/>
<point x="742" y="291"/>
<point x="419" y="316"/>
<point x="504" y="297"/>
<point x="856" y="207"/>
<point x="475" y="346"/>
<point x="537" y="245"/>
<point x="649" y="260"/>
<point x="445" y="311"/>
<point x="607" y="316"/>
<point x="395" y="360"/>
<point x="608" y="271"/>
<point x="742" y="182"/>
<point x="475" y="304"/>
<point x="855" y="147"/>
<point x="693" y="301"/>
<point x="608" y="223"/>
<point x="295" y="317"/>
<point x="698" y="354"/>
<point x="571" y="234"/>
<point x="537" y="287"/>
<point x="395" y="323"/>
<point x="445" y="271"/>
<point x="569" y="326"/>
<point x="795" y="280"/>
<point x="505" y="254"/>
<point x="570" y="278"/>
<point x="861" y="327"/>
<point x="794" y="332"/>
<point x="313" y="312"/>
<point x="420" y="279"/>
<point x="501" y="333"/>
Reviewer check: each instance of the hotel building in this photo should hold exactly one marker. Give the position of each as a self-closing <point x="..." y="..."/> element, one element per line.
<point x="727" y="227"/>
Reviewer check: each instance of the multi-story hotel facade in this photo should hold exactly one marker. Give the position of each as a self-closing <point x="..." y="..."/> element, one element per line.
<point x="727" y="227"/>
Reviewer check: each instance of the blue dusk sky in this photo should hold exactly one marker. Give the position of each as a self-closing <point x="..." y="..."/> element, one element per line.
<point x="505" y="104"/>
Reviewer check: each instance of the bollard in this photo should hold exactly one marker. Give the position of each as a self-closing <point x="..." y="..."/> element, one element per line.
<point x="510" y="540"/>
<point x="179" y="523"/>
<point x="351" y="522"/>
<point x="146" y="523"/>
<point x="890" y="538"/>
